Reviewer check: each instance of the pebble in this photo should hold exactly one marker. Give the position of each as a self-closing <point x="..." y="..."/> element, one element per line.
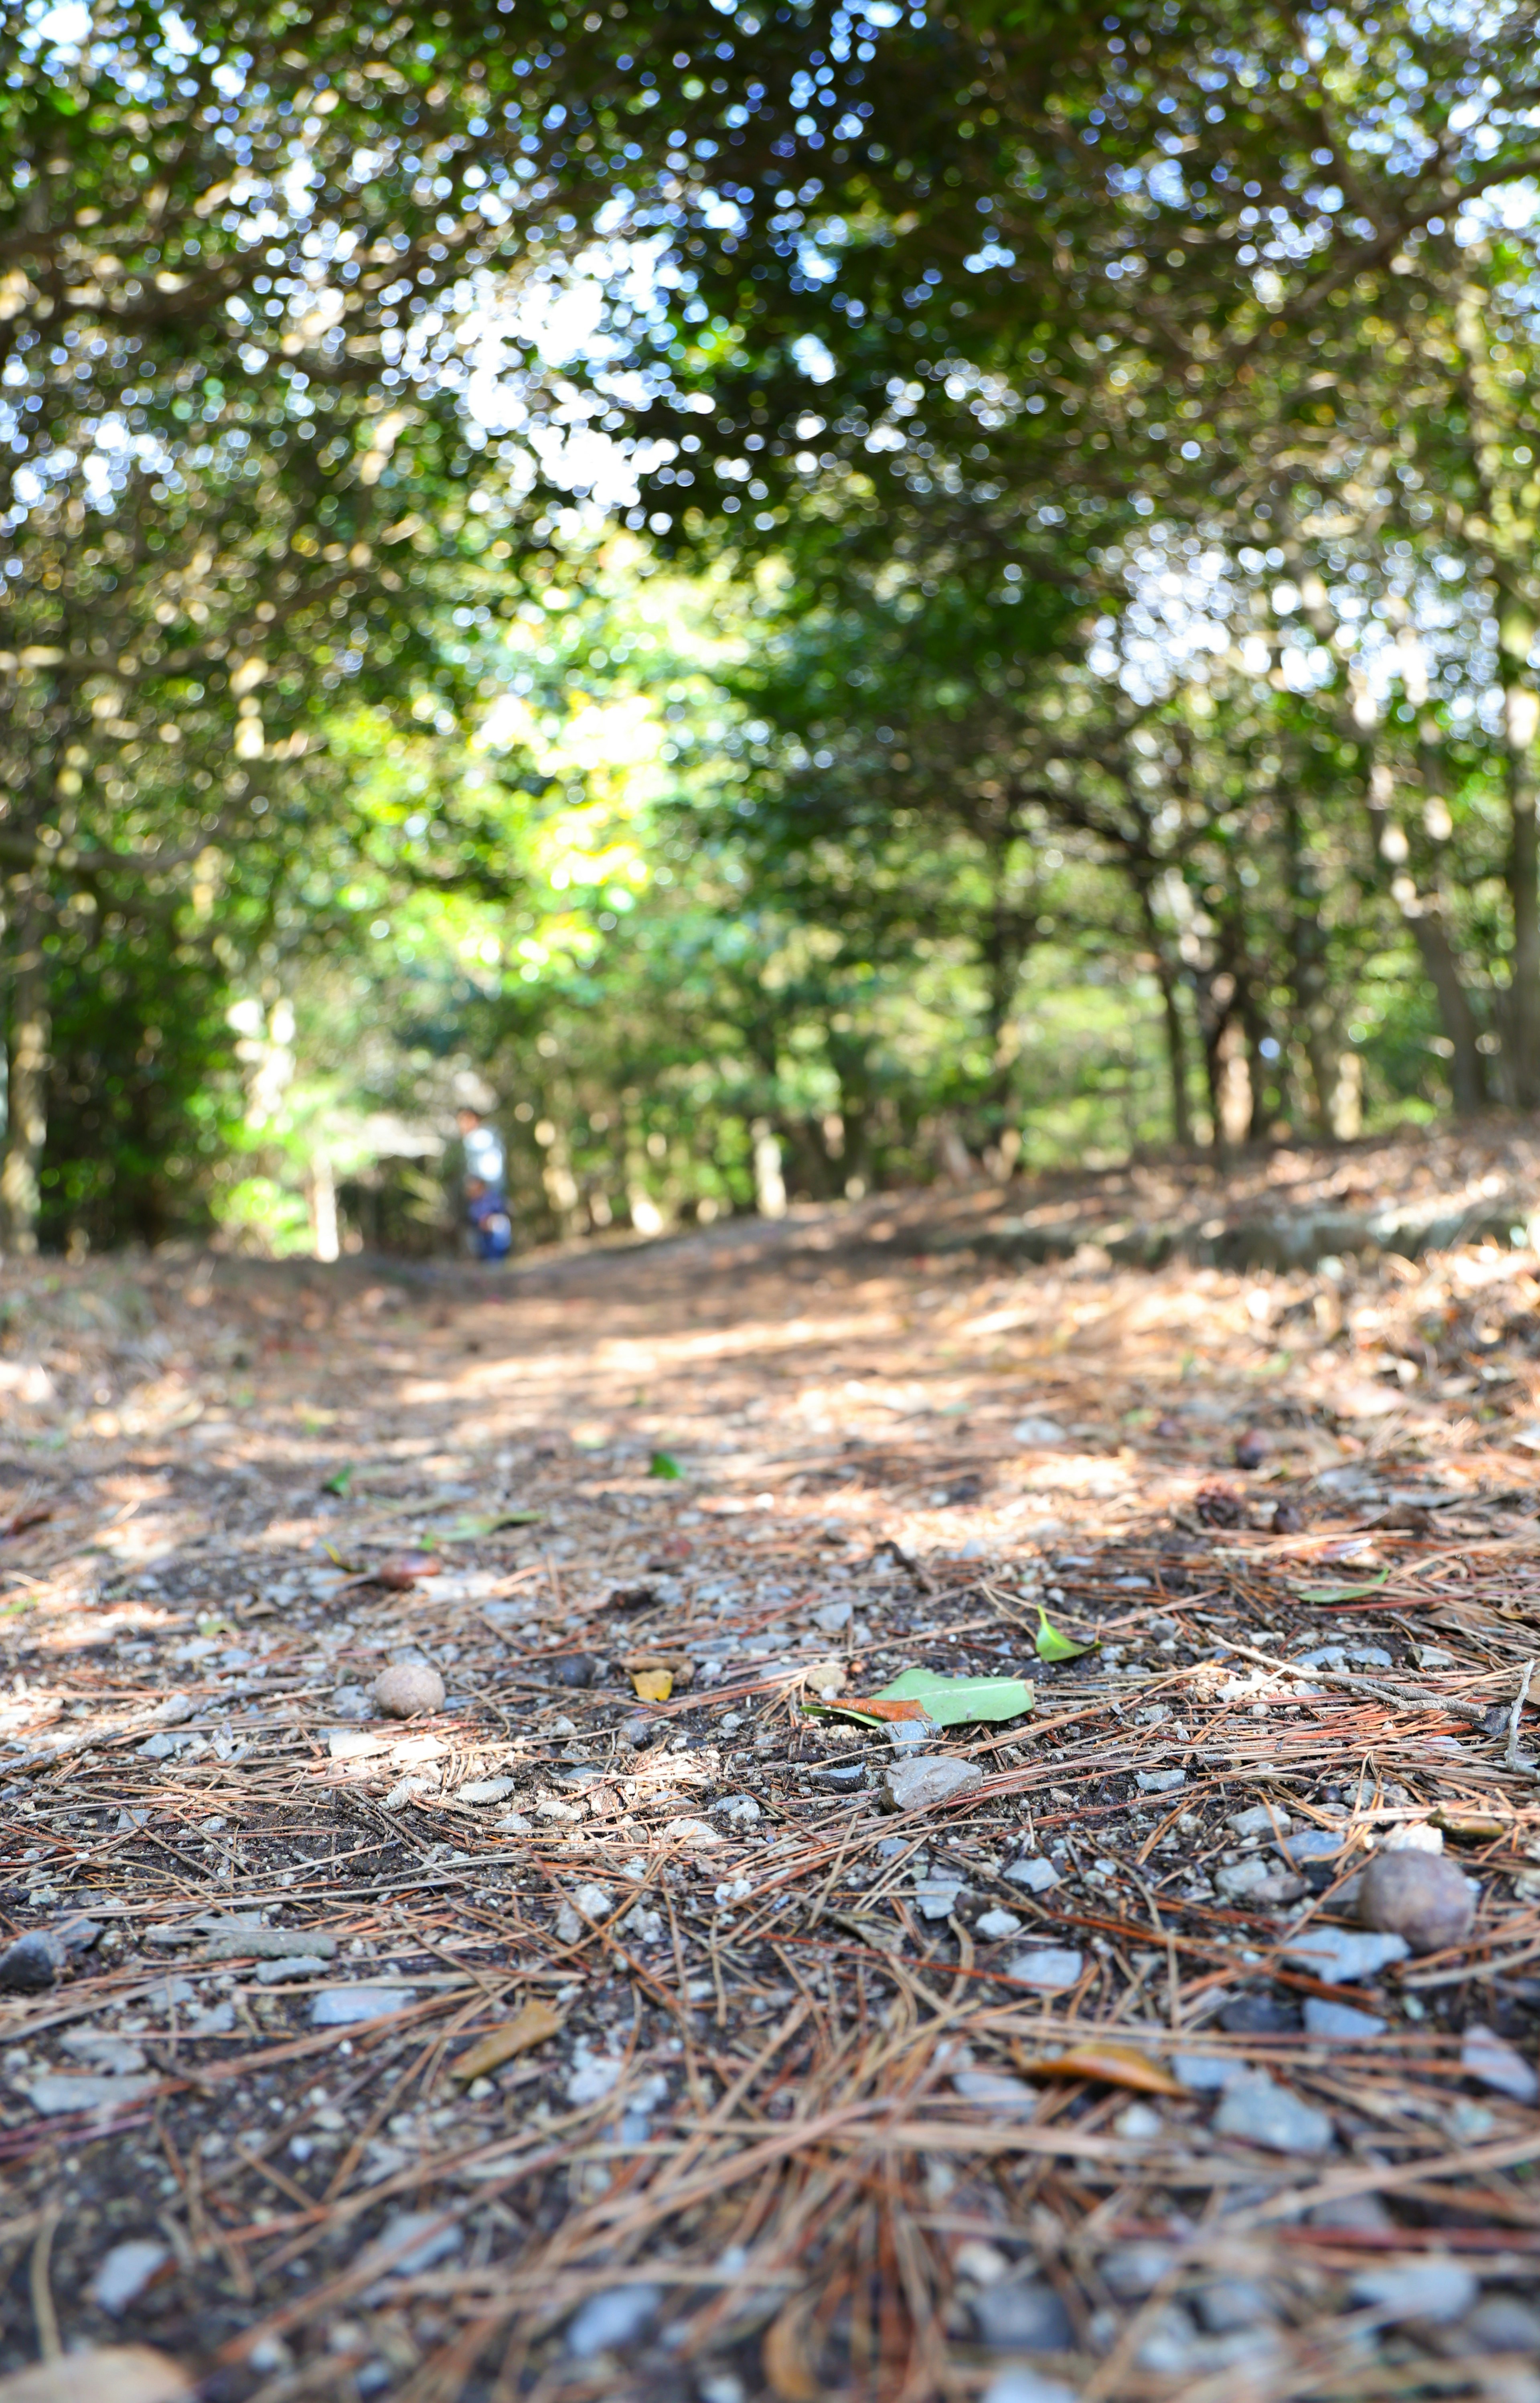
<point x="1502" y="2323"/>
<point x="1139" y="2124"/>
<point x="1131" y="2272"/>
<point x="1418" y="1895"/>
<point x="1493" y="2064"/>
<point x="1338" y="2023"/>
<point x="1047" y="1967"/>
<point x="1233" y="2303"/>
<point x="1033" y="1872"/>
<point x="270" y="1944"/>
<point x="1207" y="2073"/>
<point x="351" y="1702"/>
<point x="410" y="2241"/>
<point x="589" y="1903"/>
<point x="935" y="1898"/>
<point x="1022" y="2313"/>
<point x="1428" y="2289"/>
<point x="1257" y="1880"/>
<point x="639" y="1732"/>
<point x="995" y="1925"/>
<point x="573" y="1669"/>
<point x="605" y="2321"/>
<point x="1260" y="2015"/>
<point x="52" y="2095"/>
<point x="32" y="1965"/>
<point x="843" y="1778"/>
<point x="346" y="2006"/>
<point x="299" y="1965"/>
<point x="1341" y="1958"/>
<point x="995" y="2091"/>
<point x="1313" y="1844"/>
<point x="485" y="1789"/>
<point x="408" y="1689"/>
<point x="833" y="1616"/>
<point x="1261" y="2112"/>
<point x="123" y="2273"/>
<point x="115" y="2056"/>
<point x="921" y="1784"/>
<point x="1034" y="1431"/>
<point x="1159" y="1780"/>
<point x="1258" y="1821"/>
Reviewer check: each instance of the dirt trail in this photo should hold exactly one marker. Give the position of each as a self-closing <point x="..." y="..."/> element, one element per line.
<point x="792" y="2093"/>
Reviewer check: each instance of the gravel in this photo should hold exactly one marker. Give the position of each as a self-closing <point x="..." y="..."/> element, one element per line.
<point x="609" y="2320"/>
<point x="1261" y="2112"/>
<point x="1023" y="2315"/>
<point x="1420" y="1896"/>
<point x="1339" y="1957"/>
<point x="123" y="2273"/>
<point x="1428" y="2289"/>
<point x="921" y="1784"/>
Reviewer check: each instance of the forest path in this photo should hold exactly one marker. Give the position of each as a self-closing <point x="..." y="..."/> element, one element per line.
<point x="779" y="2091"/>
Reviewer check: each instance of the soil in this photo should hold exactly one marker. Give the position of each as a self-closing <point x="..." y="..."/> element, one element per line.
<point x="779" y="2103"/>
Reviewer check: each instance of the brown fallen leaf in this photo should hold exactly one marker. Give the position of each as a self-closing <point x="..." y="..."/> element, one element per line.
<point x="875" y="1707"/>
<point x="32" y="1514"/>
<point x="789" y="2372"/>
<point x="1108" y="2065"/>
<point x="652" y="1685"/>
<point x="112" y="2374"/>
<point x="530" y="2024"/>
<point x="402" y="1569"/>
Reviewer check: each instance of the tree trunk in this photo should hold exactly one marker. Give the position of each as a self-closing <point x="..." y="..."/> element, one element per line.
<point x="1523" y="718"/>
<point x="1423" y="914"/>
<point x="1175" y="1032"/>
<point x="28" y="1065"/>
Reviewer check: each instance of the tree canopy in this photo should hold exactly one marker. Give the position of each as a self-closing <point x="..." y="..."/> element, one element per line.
<point x="789" y="597"/>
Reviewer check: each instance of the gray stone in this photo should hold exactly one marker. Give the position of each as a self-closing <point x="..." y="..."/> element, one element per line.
<point x="1313" y="1844"/>
<point x="1033" y="1872"/>
<point x="1131" y="2272"/>
<point x="1338" y="2023"/>
<point x="115" y="2056"/>
<point x="123" y="2274"/>
<point x="1159" y="1780"/>
<point x="1429" y="2289"/>
<point x="485" y="1789"/>
<point x="1172" y="2346"/>
<point x="351" y="1702"/>
<point x="1022" y="2314"/>
<point x="1260" y="2112"/>
<point x="1339" y="1957"/>
<point x="995" y="1925"/>
<point x="843" y="1777"/>
<point x="921" y="1784"/>
<point x="832" y="1616"/>
<point x="1257" y="1880"/>
<point x="410" y="2241"/>
<point x="54" y="2095"/>
<point x="935" y="1898"/>
<point x="271" y="1944"/>
<point x="1418" y="1895"/>
<point x="1231" y="2303"/>
<point x="407" y="1689"/>
<point x="608" y="2321"/>
<point x="1258" y="1821"/>
<point x="1359" y="2214"/>
<point x="32" y="1965"/>
<point x="1047" y="1967"/>
<point x="347" y="2005"/>
<point x="1502" y="2323"/>
<point x="302" y="1964"/>
<point x="909" y="1735"/>
<point x="1207" y="2073"/>
<point x="219" y="2019"/>
<point x="997" y="2093"/>
<point x="1018" y="2385"/>
<point x="1495" y="2066"/>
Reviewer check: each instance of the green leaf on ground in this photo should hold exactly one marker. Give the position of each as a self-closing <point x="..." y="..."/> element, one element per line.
<point x="339" y="1482"/>
<point x="663" y="1464"/>
<point x="954" y="1702"/>
<point x="1052" y="1645"/>
<point x="1340" y="1592"/>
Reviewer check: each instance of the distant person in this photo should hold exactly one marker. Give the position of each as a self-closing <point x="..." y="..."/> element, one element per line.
<point x="483" y="1185"/>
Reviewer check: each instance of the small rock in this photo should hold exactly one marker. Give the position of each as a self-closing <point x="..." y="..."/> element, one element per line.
<point x="593" y="2076"/>
<point x="1033" y="1872"/>
<point x="219" y="2019"/>
<point x="55" y="2095"/>
<point x="1159" y="1780"/>
<point x="1232" y="2303"/>
<point x="1022" y="2314"/>
<point x="1047" y="1967"/>
<point x="639" y="1732"/>
<point x="738" y="1810"/>
<point x="1341" y="1958"/>
<point x="485" y="1789"/>
<point x="1260" y="2112"/>
<point x="270" y="1944"/>
<point x="1258" y="1821"/>
<point x="1338" y="2023"/>
<point x="408" y="1689"/>
<point x="410" y="2241"/>
<point x="1502" y="2323"/>
<point x="1428" y="2289"/>
<point x="1420" y="1896"/>
<point x="1257" y="1880"/>
<point x="996" y="2091"/>
<point x="935" y="1898"/>
<point x="832" y="1616"/>
<point x="32" y="1965"/>
<point x="982" y="2261"/>
<point x="1139" y="2124"/>
<point x="1313" y="1844"/>
<point x="909" y="1735"/>
<point x="123" y="2273"/>
<point x="351" y="1702"/>
<point x="1260" y="2015"/>
<point x="1033" y="1431"/>
<point x="573" y="1669"/>
<point x="606" y="2322"/>
<point x="115" y="2056"/>
<point x="843" y="1778"/>
<point x="347" y="2005"/>
<point x="921" y="1784"/>
<point x="299" y="1964"/>
<point x="1173" y="2347"/>
<point x="1359" y="2214"/>
<point x="1251" y="1449"/>
<point x="1207" y="2073"/>
<point x="573" y="1920"/>
<point x="995" y="1925"/>
<point x="1131" y="2272"/>
<point x="1496" y="2066"/>
<point x="1417" y="1836"/>
<point x="175" y="1711"/>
